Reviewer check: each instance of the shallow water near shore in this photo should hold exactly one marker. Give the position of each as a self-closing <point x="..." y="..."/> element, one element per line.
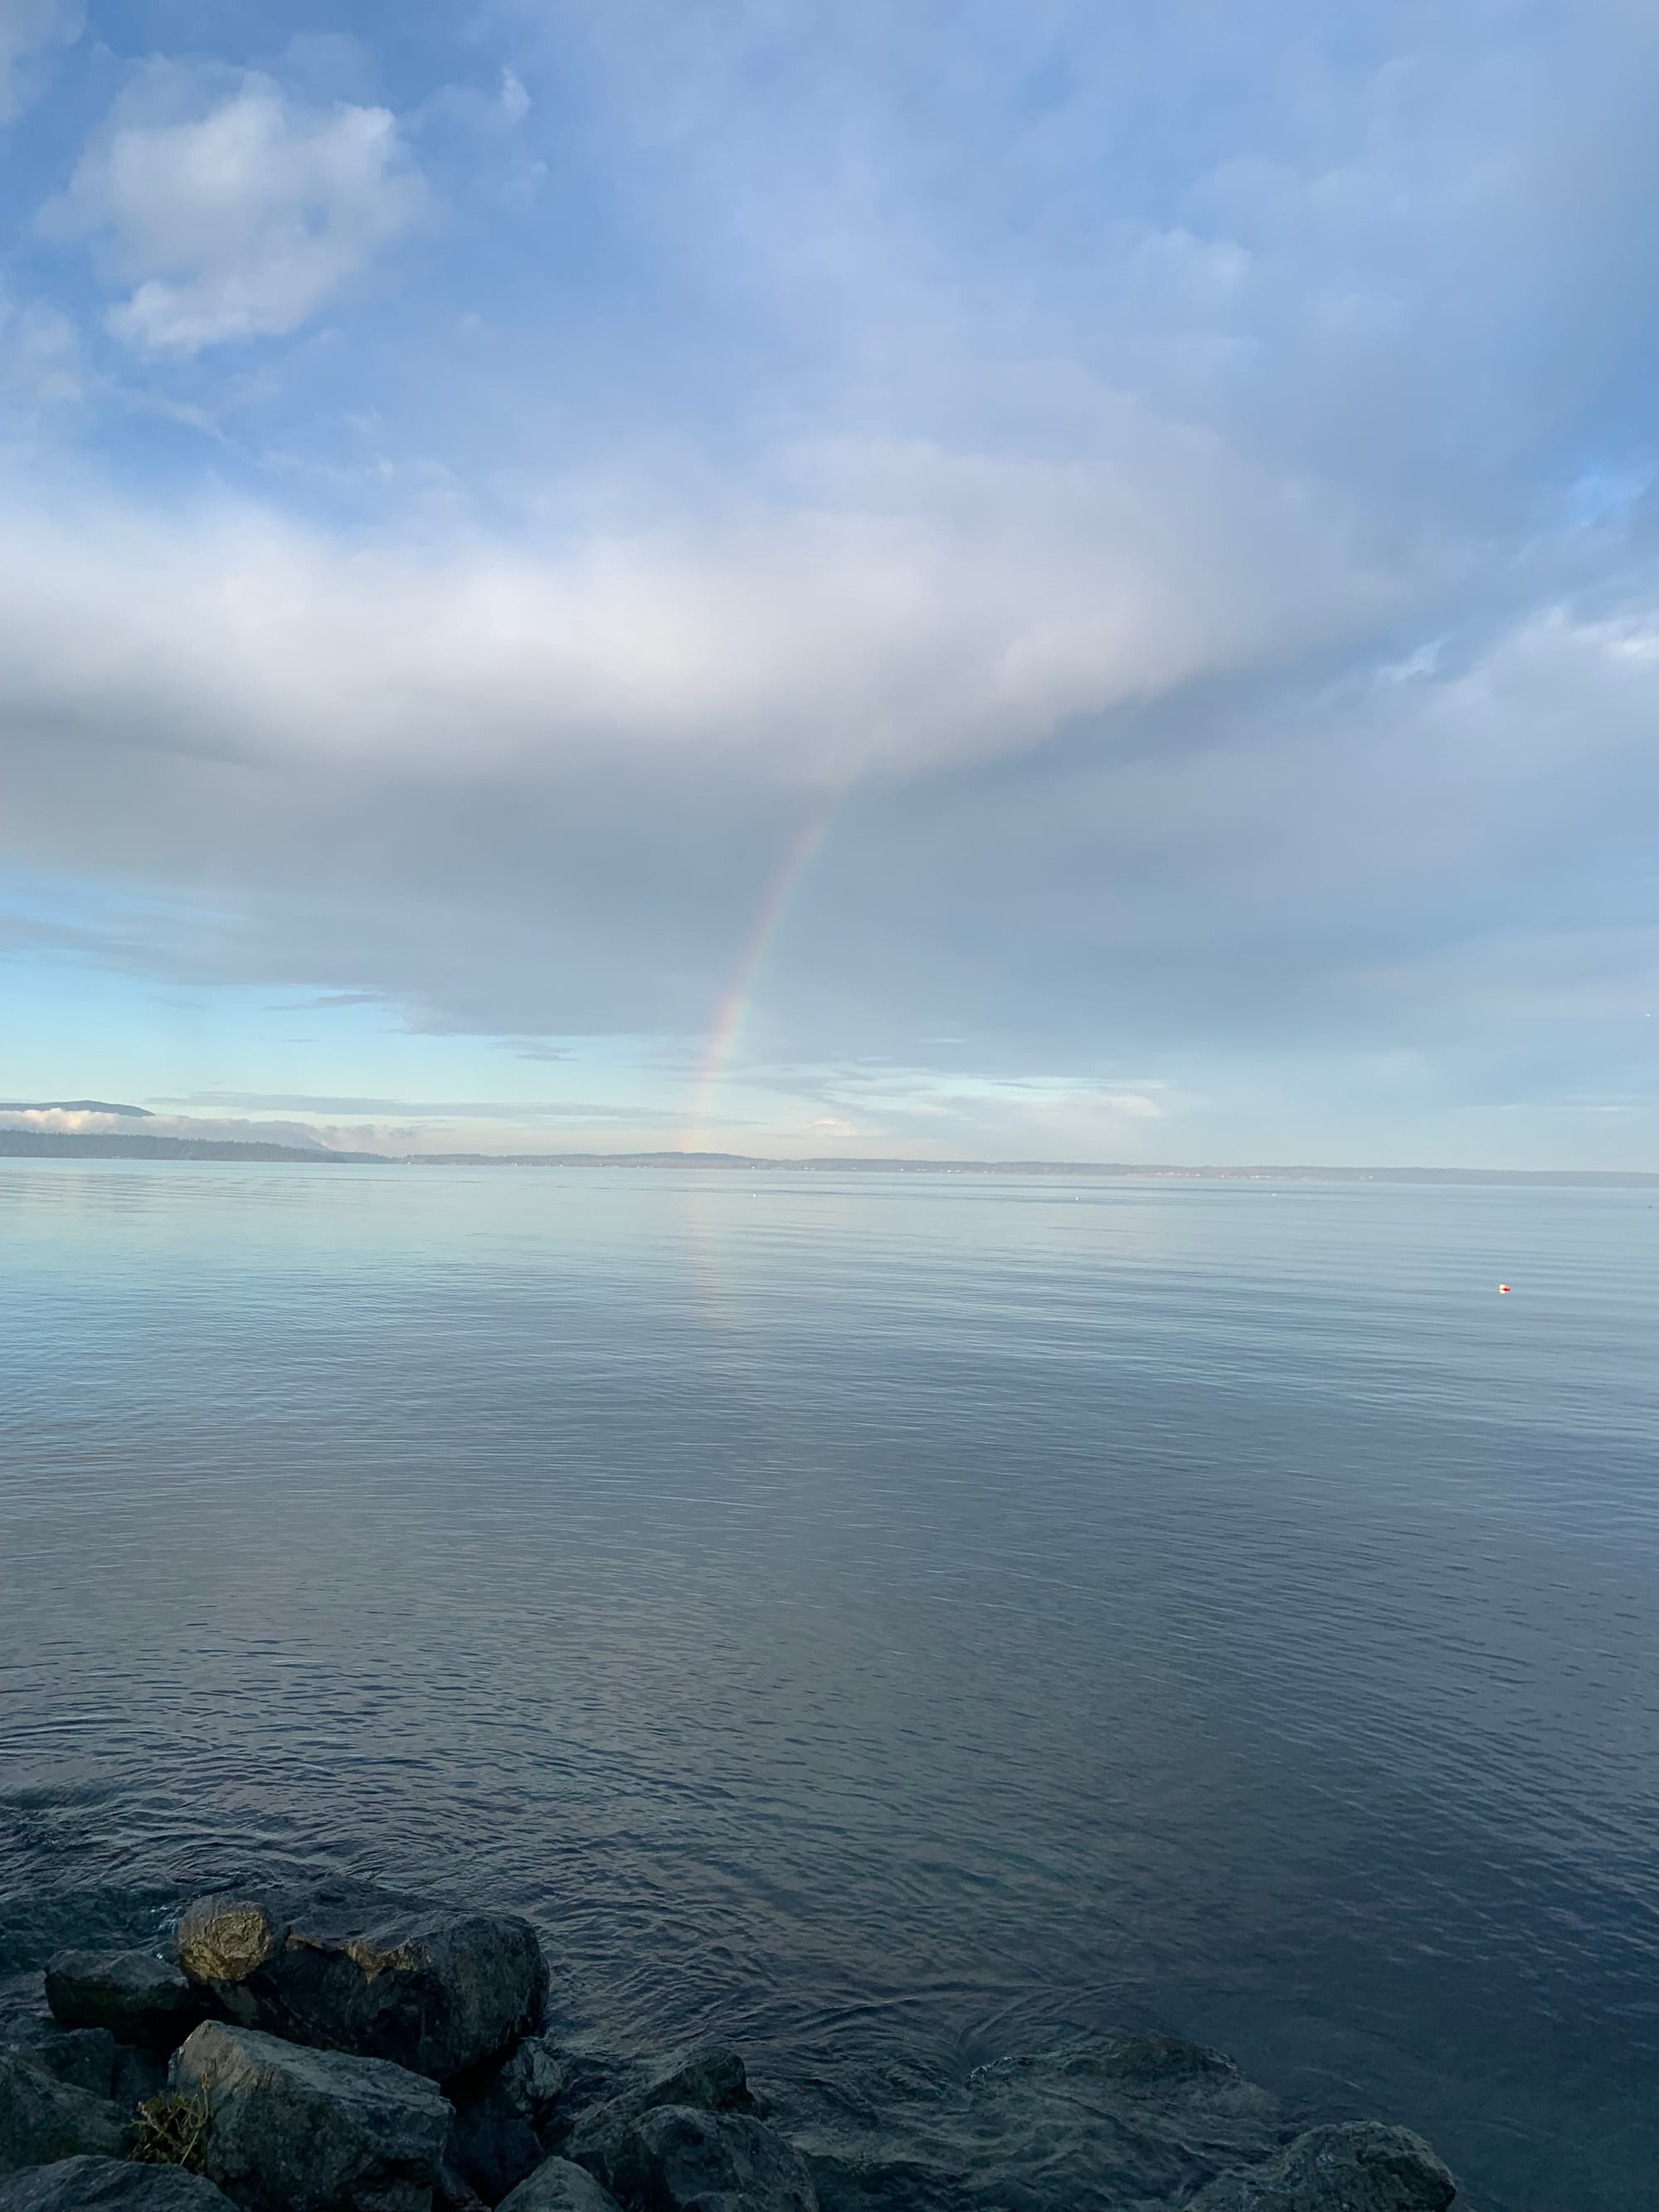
<point x="892" y="1621"/>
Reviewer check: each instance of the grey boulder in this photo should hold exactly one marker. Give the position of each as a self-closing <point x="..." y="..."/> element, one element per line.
<point x="556" y="2090"/>
<point x="93" y="2060"/>
<point x="350" y="1968"/>
<point x="82" y="2055"/>
<point x="1357" y="2165"/>
<point x="508" y="2117"/>
<point x="678" y="2159"/>
<point x="493" y="2144"/>
<point x="110" y="2185"/>
<point x="558" y="2185"/>
<point x="137" y="1998"/>
<point x="709" y="2078"/>
<point x="296" y="2130"/>
<point x="43" y="2117"/>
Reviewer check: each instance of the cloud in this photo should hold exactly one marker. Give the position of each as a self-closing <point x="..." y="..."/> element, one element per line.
<point x="911" y="607"/>
<point x="27" y="27"/>
<point x="232" y="209"/>
<point x="482" y="1110"/>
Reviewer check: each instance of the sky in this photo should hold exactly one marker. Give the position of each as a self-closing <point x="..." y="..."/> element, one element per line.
<point x="939" y="579"/>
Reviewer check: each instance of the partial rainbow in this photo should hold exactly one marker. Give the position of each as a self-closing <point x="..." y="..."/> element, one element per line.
<point x="738" y="1002"/>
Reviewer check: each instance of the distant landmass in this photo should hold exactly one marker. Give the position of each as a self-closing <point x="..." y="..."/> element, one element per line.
<point x="65" y="1144"/>
<point x="1134" y="1171"/>
<point x="51" y="1144"/>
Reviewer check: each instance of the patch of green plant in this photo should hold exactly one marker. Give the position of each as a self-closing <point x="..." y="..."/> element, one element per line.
<point x="171" y="2130"/>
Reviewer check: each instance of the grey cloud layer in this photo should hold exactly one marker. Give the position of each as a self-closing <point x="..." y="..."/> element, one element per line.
<point x="1216" y="594"/>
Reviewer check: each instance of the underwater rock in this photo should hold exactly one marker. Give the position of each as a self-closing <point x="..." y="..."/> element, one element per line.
<point x="1357" y="2165"/>
<point x="292" y="2129"/>
<point x="1103" y="2124"/>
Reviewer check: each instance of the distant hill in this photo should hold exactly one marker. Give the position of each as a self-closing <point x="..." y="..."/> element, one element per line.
<point x="56" y="1144"/>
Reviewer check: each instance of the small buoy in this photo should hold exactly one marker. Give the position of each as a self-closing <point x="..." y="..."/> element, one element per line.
<point x="1504" y="1288"/>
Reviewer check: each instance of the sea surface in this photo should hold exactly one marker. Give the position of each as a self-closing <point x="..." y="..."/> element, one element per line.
<point x="891" y="1620"/>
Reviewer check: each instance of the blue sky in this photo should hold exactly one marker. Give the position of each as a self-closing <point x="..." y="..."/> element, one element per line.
<point x="1067" y="581"/>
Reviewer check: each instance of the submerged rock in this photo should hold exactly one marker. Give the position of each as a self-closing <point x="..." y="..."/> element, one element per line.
<point x="43" y="2117"/>
<point x="110" y="2185"/>
<point x="559" y="2185"/>
<point x="139" y="1998"/>
<point x="1100" y="2125"/>
<point x="291" y="2129"/>
<point x="350" y="1968"/>
<point x="678" y="2159"/>
<point x="1359" y="2166"/>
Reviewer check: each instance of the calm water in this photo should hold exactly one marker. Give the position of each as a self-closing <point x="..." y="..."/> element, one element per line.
<point x="878" y="1616"/>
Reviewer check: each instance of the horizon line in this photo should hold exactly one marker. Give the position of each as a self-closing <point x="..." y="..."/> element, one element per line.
<point x="40" y="1144"/>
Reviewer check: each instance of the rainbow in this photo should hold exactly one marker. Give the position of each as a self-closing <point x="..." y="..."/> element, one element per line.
<point x="738" y="1003"/>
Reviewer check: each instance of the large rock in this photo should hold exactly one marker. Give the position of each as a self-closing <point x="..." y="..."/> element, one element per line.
<point x="558" y="2185"/>
<point x="1359" y="2166"/>
<point x="83" y="2055"/>
<point x="44" y="2117"/>
<point x="550" y="2088"/>
<point x="139" y="1998"/>
<point x="708" y="2078"/>
<point x="509" y="2117"/>
<point x="678" y="2159"/>
<point x="110" y="2185"/>
<point x="493" y="2144"/>
<point x="557" y="2089"/>
<point x="296" y="2130"/>
<point x="93" y="2060"/>
<point x="352" y="1969"/>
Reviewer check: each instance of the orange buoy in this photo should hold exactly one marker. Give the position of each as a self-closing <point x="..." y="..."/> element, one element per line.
<point x="1504" y="1289"/>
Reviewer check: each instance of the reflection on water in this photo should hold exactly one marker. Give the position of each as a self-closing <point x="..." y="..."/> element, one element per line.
<point x="878" y="1616"/>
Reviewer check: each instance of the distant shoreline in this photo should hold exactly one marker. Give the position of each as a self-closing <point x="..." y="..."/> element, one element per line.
<point x="33" y="1144"/>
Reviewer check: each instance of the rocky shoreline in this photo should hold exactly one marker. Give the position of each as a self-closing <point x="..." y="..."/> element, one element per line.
<point x="345" y="2049"/>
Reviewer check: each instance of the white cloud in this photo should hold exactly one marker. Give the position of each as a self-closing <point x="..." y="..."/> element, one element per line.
<point x="925" y="1113"/>
<point x="911" y="607"/>
<point x="233" y="211"/>
<point x="27" y="27"/>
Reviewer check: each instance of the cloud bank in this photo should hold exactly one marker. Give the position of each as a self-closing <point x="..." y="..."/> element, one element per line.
<point x="1163" y="508"/>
